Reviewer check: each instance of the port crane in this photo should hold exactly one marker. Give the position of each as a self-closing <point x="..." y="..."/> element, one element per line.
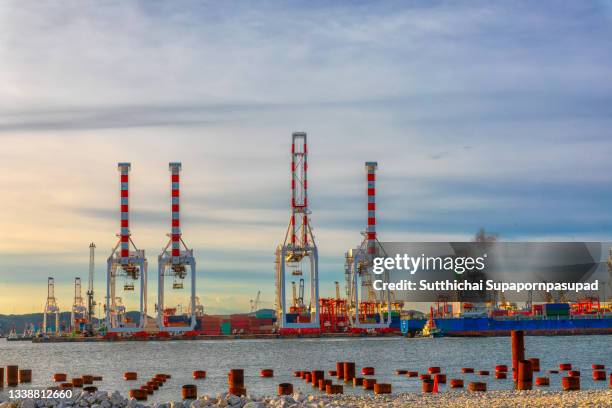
<point x="91" y="303"/>
<point x="199" y="308"/>
<point x="358" y="268"/>
<point x="51" y="307"/>
<point x="255" y="303"/>
<point x="299" y="249"/>
<point x="176" y="260"/>
<point x="78" y="312"/>
<point x="128" y="262"/>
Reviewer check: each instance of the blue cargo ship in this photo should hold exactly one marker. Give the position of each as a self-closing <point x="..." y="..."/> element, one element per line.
<point x="495" y="326"/>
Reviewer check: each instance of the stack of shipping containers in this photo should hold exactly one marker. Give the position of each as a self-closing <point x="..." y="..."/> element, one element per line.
<point x="260" y="322"/>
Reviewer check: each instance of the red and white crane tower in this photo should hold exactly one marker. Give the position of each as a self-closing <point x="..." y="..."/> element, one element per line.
<point x="51" y="307"/>
<point x="78" y="313"/>
<point x="299" y="248"/>
<point x="174" y="260"/>
<point x="126" y="261"/>
<point x="358" y="268"/>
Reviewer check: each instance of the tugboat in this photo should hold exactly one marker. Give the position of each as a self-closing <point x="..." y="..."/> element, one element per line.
<point x="430" y="329"/>
<point x="12" y="335"/>
<point x="28" y="332"/>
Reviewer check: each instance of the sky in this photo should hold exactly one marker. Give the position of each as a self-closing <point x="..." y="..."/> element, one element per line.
<point x="480" y="114"/>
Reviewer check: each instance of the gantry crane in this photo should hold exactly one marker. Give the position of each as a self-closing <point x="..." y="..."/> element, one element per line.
<point x="299" y="248"/>
<point x="51" y="307"/>
<point x="91" y="303"/>
<point x="199" y="308"/>
<point x="358" y="268"/>
<point x="128" y="262"/>
<point x="174" y="261"/>
<point x="78" y="312"/>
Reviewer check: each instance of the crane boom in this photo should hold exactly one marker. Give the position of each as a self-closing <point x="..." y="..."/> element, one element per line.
<point x="256" y="304"/>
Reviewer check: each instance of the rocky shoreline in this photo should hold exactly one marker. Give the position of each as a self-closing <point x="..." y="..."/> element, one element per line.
<point x="491" y="399"/>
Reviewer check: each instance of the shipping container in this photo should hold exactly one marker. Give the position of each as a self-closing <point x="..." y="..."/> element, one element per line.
<point x="556" y="309"/>
<point x="265" y="314"/>
<point x="226" y="328"/>
<point x="303" y="319"/>
<point x="211" y="332"/>
<point x="260" y="322"/>
<point x="177" y="319"/>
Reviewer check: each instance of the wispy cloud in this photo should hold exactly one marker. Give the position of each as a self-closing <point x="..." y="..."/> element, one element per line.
<point x="479" y="113"/>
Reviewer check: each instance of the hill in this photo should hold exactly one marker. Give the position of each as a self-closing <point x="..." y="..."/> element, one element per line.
<point x="19" y="322"/>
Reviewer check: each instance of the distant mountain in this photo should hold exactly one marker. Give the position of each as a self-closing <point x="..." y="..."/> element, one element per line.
<point x="19" y="322"/>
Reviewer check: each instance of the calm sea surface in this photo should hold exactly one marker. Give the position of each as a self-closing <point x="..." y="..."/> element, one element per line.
<point x="180" y="358"/>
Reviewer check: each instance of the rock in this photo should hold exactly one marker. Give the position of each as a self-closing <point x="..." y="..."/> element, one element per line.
<point x="116" y="399"/>
<point x="28" y="403"/>
<point x="254" y="404"/>
<point x="234" y="400"/>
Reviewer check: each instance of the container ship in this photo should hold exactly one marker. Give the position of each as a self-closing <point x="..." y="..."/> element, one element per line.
<point x="544" y="319"/>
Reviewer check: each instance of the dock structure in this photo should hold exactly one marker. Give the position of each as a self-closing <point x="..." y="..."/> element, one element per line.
<point x="363" y="302"/>
<point x="176" y="261"/>
<point x="128" y="262"/>
<point x="299" y="252"/>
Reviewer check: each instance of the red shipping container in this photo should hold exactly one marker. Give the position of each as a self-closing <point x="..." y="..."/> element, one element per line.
<point x="262" y="322"/>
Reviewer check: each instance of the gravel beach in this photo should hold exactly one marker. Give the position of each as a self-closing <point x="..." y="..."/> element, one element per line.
<point x="557" y="399"/>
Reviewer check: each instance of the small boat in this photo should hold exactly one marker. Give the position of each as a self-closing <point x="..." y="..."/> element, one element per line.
<point x="13" y="336"/>
<point x="26" y="336"/>
<point x="430" y="329"/>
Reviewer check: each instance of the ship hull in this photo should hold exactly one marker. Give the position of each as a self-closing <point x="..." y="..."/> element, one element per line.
<point x="488" y="326"/>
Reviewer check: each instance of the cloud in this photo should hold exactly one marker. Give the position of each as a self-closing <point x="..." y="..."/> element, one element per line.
<point x="479" y="114"/>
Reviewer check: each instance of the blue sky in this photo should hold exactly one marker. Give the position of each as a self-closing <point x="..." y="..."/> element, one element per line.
<point x="492" y="114"/>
